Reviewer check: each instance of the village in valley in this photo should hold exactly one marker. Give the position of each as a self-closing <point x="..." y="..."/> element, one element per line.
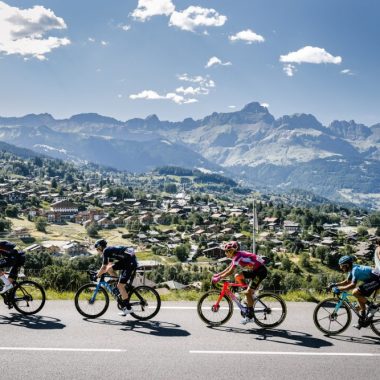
<point x="177" y="220"/>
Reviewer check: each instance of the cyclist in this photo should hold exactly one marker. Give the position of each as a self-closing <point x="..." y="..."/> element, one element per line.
<point x="369" y="277"/>
<point x="377" y="254"/>
<point x="118" y="258"/>
<point x="12" y="258"/>
<point x="253" y="270"/>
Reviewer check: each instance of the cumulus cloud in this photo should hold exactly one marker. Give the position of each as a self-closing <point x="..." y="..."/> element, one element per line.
<point x="232" y="106"/>
<point x="194" y="17"/>
<point x="216" y="61"/>
<point x="153" y="95"/>
<point x="248" y="36"/>
<point x="310" y="54"/>
<point x="266" y="105"/>
<point x="22" y="31"/>
<point x="149" y="8"/>
<point x="125" y="27"/>
<point x="182" y="95"/>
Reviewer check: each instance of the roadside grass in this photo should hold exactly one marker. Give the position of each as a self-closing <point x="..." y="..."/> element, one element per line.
<point x="194" y="295"/>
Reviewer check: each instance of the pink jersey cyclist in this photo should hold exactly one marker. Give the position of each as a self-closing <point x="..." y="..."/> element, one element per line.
<point x="247" y="260"/>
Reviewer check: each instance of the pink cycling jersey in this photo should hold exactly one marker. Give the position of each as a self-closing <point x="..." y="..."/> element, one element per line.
<point x="247" y="260"/>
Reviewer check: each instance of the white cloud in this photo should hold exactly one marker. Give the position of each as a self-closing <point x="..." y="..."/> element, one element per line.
<point x="347" y="72"/>
<point x="248" y="36"/>
<point x="194" y="17"/>
<point x="289" y="69"/>
<point x="149" y="8"/>
<point x="266" y="105"/>
<point x="203" y="82"/>
<point x="22" y="31"/>
<point x="232" y="106"/>
<point x="125" y="27"/>
<point x="90" y="39"/>
<point x="146" y="94"/>
<point x="153" y="95"/>
<point x="310" y="54"/>
<point x="216" y="61"/>
<point x="104" y="43"/>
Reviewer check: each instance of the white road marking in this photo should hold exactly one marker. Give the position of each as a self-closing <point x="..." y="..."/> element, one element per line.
<point x="292" y="353"/>
<point x="60" y="349"/>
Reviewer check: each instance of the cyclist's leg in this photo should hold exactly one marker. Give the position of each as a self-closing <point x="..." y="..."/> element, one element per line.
<point x="256" y="277"/>
<point x="359" y="293"/>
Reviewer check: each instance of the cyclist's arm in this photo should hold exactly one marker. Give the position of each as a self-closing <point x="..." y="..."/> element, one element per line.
<point x="351" y="285"/>
<point x="229" y="270"/>
<point x="103" y="269"/>
<point x="343" y="283"/>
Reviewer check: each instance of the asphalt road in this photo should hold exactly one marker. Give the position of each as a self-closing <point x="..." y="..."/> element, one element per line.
<point x="59" y="343"/>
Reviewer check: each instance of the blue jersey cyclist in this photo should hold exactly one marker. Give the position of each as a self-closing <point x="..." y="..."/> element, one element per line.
<point x="118" y="258"/>
<point x="11" y="258"/>
<point x="369" y="278"/>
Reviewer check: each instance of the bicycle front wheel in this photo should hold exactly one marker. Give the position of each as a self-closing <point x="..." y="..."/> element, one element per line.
<point x="269" y="310"/>
<point x="91" y="301"/>
<point x="329" y="319"/>
<point x="145" y="302"/>
<point x="28" y="297"/>
<point x="213" y="313"/>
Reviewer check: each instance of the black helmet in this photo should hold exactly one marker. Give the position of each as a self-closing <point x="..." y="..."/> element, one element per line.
<point x="100" y="243"/>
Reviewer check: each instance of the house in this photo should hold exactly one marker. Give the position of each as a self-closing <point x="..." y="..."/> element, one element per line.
<point x="66" y="208"/>
<point x="271" y="223"/>
<point x="291" y="227"/>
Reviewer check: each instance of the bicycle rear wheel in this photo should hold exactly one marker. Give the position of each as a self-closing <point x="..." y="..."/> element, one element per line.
<point x="212" y="313"/>
<point x="28" y="297"/>
<point x="145" y="302"/>
<point x="90" y="302"/>
<point x="375" y="325"/>
<point x="330" y="320"/>
<point x="269" y="310"/>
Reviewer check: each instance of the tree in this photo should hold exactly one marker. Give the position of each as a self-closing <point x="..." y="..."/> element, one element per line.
<point x="11" y="211"/>
<point x="182" y="252"/>
<point x="92" y="229"/>
<point x="5" y="224"/>
<point x="41" y="223"/>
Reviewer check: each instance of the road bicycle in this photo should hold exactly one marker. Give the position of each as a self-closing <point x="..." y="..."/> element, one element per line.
<point x="216" y="306"/>
<point x="27" y="297"/>
<point x="333" y="315"/>
<point x="92" y="299"/>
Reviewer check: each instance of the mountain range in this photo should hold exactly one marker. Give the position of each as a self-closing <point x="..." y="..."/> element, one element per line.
<point x="340" y="161"/>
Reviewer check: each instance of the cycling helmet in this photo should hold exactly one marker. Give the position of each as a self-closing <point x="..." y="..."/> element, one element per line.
<point x="100" y="243"/>
<point x="346" y="260"/>
<point x="233" y="246"/>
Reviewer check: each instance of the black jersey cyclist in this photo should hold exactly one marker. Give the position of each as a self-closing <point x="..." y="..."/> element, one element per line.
<point x="119" y="258"/>
<point x="11" y="258"/>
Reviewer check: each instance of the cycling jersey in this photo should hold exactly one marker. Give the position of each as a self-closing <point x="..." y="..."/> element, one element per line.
<point x="125" y="261"/>
<point x="117" y="253"/>
<point x="247" y="260"/>
<point x="362" y="273"/>
<point x="11" y="257"/>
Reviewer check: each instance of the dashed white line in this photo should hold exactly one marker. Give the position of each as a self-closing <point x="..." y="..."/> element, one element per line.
<point x="60" y="349"/>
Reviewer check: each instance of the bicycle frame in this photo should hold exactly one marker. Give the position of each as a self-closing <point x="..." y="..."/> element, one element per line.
<point x="343" y="298"/>
<point x="226" y="291"/>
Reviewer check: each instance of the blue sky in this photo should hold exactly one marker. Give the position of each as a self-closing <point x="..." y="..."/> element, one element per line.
<point x="178" y="59"/>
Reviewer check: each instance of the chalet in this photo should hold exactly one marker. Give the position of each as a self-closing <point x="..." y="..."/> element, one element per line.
<point x="66" y="208"/>
<point x="271" y="223"/>
<point x="291" y="227"/>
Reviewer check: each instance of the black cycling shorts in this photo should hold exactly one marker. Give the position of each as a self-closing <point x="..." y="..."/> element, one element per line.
<point x="255" y="276"/>
<point x="368" y="288"/>
<point x="126" y="268"/>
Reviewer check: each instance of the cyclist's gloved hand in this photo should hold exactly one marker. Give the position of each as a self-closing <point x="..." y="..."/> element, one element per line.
<point x="93" y="277"/>
<point x="215" y="278"/>
<point x="335" y="290"/>
<point x="330" y="286"/>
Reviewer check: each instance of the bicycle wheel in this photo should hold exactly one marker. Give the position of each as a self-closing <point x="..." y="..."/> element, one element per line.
<point x="329" y="320"/>
<point x="28" y="297"/>
<point x="269" y="310"/>
<point x="145" y="302"/>
<point x="90" y="302"/>
<point x="210" y="312"/>
<point x="375" y="325"/>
